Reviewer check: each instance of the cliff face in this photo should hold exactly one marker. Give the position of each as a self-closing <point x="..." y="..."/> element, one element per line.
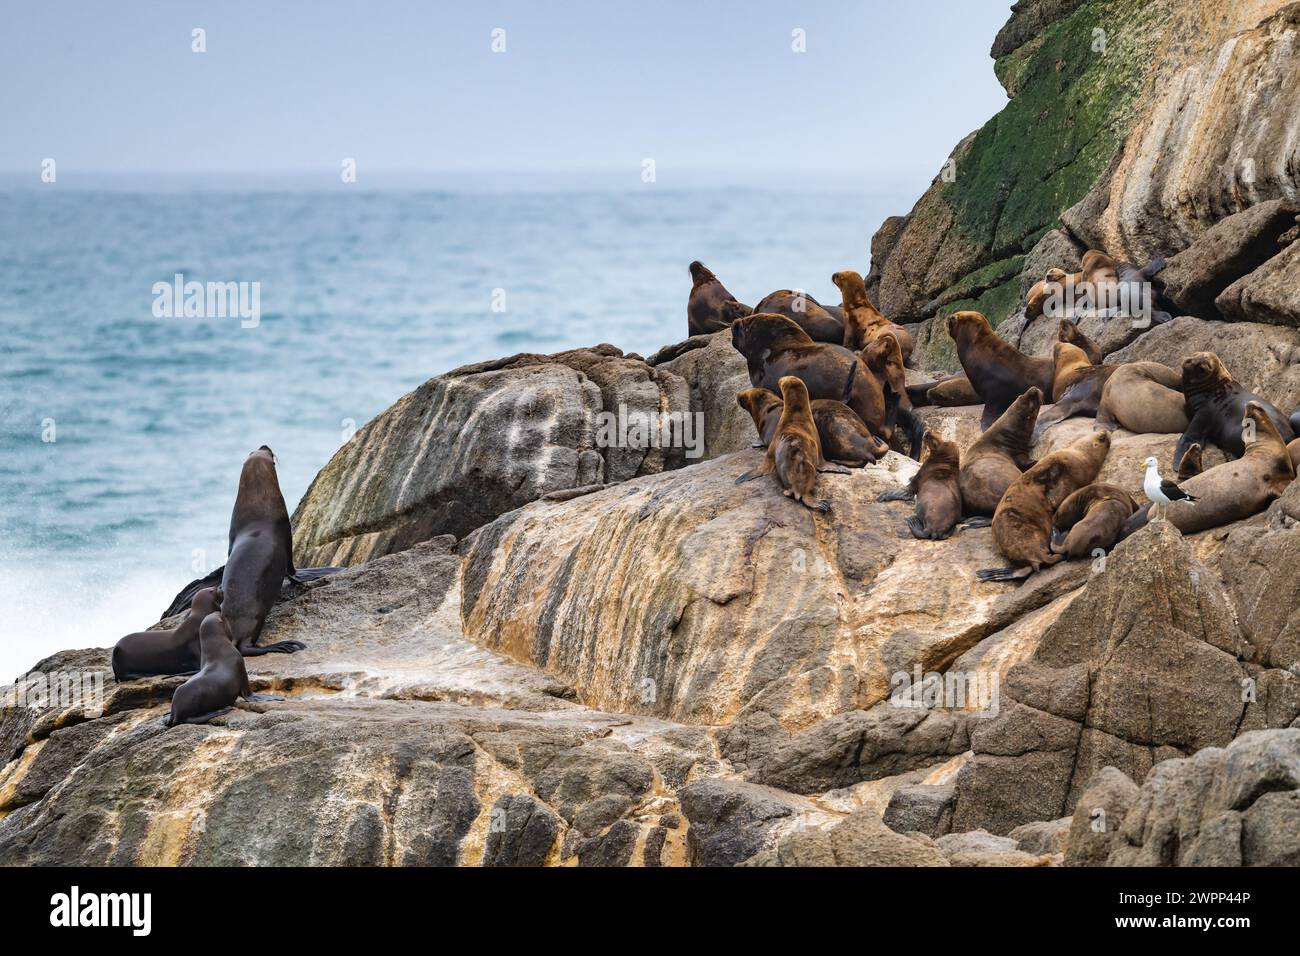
<point x="547" y="650"/>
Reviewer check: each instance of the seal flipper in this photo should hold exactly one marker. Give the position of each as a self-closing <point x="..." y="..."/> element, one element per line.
<point x="252" y="697"/>
<point x="1004" y="574"/>
<point x="833" y="469"/>
<point x="279" y="647"/>
<point x="917" y="527"/>
<point x="977" y="521"/>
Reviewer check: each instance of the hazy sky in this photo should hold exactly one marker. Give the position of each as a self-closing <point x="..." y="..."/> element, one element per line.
<point x="112" y="85"/>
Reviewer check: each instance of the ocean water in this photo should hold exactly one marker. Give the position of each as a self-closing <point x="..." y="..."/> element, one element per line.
<point x="123" y="433"/>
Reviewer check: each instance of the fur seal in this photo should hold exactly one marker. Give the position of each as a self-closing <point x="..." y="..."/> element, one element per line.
<point x="863" y="322"/>
<point x="806" y="312"/>
<point x="795" y="455"/>
<point x="1069" y="364"/>
<point x="997" y="370"/>
<point x="935" y="488"/>
<point x="775" y="347"/>
<point x="885" y="359"/>
<point x="947" y="392"/>
<point x="222" y="678"/>
<point x="999" y="456"/>
<point x="1022" y="524"/>
<point x="1216" y="406"/>
<point x="1069" y="331"/>
<point x="151" y="653"/>
<point x="1235" y="489"/>
<point x="1091" y="518"/>
<point x="710" y="307"/>
<point x="845" y="440"/>
<point x="260" y="556"/>
<point x="1143" y="397"/>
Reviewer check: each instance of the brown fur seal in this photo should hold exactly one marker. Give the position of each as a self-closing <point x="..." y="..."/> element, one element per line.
<point x="710" y="307"/>
<point x="774" y="347"/>
<point x="845" y="440"/>
<point x="1077" y="386"/>
<point x="151" y="653"/>
<point x="1234" y="490"/>
<point x="947" y="392"/>
<point x="885" y="359"/>
<point x="1144" y="397"/>
<point x="806" y="312"/>
<point x="1216" y="407"/>
<point x="998" y="371"/>
<point x="1097" y="278"/>
<point x="1069" y="364"/>
<point x="999" y="456"/>
<point x="222" y="678"/>
<point x="863" y="322"/>
<point x="1069" y="331"/>
<point x="935" y="488"/>
<point x="1022" y="524"/>
<point x="260" y="556"/>
<point x="1090" y="519"/>
<point x="795" y="454"/>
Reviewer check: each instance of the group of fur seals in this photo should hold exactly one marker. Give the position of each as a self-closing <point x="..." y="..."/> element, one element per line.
<point x="845" y="440"/>
<point x="1104" y="281"/>
<point x="794" y="453"/>
<point x="224" y="622"/>
<point x="1091" y="519"/>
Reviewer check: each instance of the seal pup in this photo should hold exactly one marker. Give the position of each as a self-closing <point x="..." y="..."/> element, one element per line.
<point x="1091" y="519"/>
<point x="775" y="347"/>
<point x="935" y="488"/>
<point x="260" y="556"/>
<point x="222" y="678"/>
<point x="154" y="653"/>
<point x="1235" y="489"/>
<point x="844" y="439"/>
<point x="806" y="312"/>
<point x="1143" y="397"/>
<point x="862" y="320"/>
<point x="710" y="307"/>
<point x="999" y="456"/>
<point x="997" y="370"/>
<point x="1022" y="524"/>
<point x="1216" y="405"/>
<point x="794" y="454"/>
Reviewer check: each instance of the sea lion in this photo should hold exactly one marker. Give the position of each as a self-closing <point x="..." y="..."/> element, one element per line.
<point x="1058" y="293"/>
<point x="862" y="320"/>
<point x="1069" y="364"/>
<point x="775" y="347"/>
<point x="222" y="678"/>
<point x="844" y="439"/>
<point x="151" y="653"/>
<point x="1235" y="489"/>
<point x="794" y="455"/>
<point x="806" y="312"/>
<point x="710" y="307"/>
<point x="1216" y="406"/>
<point x="1077" y="387"/>
<point x="1091" y="518"/>
<point x="1069" y="331"/>
<point x="947" y="392"/>
<point x="1144" y="397"/>
<point x="884" y="357"/>
<point x="999" y="456"/>
<point x="260" y="556"/>
<point x="1022" y="524"/>
<point x="997" y="370"/>
<point x="935" y="488"/>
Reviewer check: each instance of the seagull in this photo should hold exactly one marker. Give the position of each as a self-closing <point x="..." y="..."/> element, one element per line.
<point x="1161" y="491"/>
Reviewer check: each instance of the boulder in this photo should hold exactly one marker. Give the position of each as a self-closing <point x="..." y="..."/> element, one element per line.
<point x="1097" y="818"/>
<point x="730" y="821"/>
<point x="921" y="808"/>
<point x="715" y="374"/>
<point x="1268" y="295"/>
<point x="861" y="839"/>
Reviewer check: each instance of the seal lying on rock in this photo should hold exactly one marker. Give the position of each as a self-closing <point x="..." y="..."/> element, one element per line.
<point x="1143" y="397"/>
<point x="947" y="392"/>
<point x="1022" y="525"/>
<point x="1091" y="519"/>
<point x="795" y="454"/>
<point x="153" y="653"/>
<point x="999" y="456"/>
<point x="863" y="322"/>
<point x="806" y="312"/>
<point x="935" y="488"/>
<point x="1216" y="405"/>
<point x="997" y="370"/>
<point x="1235" y="489"/>
<point x="260" y="556"/>
<point x="844" y="439"/>
<point x="221" y="680"/>
<point x="710" y="307"/>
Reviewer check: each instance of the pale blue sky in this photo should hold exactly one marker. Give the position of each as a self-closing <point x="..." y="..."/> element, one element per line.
<point x="884" y="89"/>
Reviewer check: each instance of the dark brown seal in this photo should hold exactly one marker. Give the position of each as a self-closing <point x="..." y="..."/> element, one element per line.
<point x="794" y="454"/>
<point x="845" y="440"/>
<point x="151" y="653"/>
<point x="710" y="308"/>
<point x="999" y="456"/>
<point x="997" y="370"/>
<point x="260" y="556"/>
<point x="222" y="678"/>
<point x="1022" y="524"/>
<point x="935" y="487"/>
<point x="947" y="392"/>
<point x="774" y="347"/>
<point x="1216" y="406"/>
<point x="1091" y="520"/>
<point x="863" y="322"/>
<point x="806" y="312"/>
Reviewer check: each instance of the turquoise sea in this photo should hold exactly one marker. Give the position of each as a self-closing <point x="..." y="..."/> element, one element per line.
<point x="123" y="432"/>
